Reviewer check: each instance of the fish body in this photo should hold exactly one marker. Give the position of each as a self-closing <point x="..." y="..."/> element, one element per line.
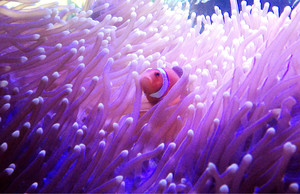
<point x="156" y="82"/>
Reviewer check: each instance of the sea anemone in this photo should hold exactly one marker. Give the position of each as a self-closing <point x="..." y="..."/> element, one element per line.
<point x="73" y="117"/>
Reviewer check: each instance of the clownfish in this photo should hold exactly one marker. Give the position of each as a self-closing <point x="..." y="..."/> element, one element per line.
<point x="156" y="82"/>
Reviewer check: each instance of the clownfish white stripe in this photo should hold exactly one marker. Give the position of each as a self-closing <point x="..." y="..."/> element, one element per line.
<point x="164" y="86"/>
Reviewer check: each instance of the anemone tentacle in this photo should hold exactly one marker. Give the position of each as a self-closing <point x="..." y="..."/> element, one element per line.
<point x="73" y="117"/>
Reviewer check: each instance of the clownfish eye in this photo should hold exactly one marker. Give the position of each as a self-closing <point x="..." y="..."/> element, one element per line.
<point x="157" y="74"/>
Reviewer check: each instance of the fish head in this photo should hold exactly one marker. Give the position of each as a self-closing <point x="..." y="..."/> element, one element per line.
<point x="151" y="81"/>
<point x="156" y="83"/>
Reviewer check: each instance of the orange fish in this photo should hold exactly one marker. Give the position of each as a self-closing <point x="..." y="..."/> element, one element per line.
<point x="157" y="82"/>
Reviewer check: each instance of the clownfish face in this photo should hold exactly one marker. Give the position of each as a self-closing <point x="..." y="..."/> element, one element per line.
<point x="157" y="82"/>
<point x="151" y="81"/>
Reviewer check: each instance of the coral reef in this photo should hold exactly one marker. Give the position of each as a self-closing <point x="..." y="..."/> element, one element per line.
<point x="73" y="117"/>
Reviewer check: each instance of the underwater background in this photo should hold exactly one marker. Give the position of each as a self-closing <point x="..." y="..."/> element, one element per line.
<point x="74" y="118"/>
<point x="207" y="7"/>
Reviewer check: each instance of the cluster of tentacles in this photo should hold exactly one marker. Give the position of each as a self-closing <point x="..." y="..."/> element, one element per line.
<point x="73" y="117"/>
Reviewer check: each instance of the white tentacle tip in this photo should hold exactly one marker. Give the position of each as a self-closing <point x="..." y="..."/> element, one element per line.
<point x="133" y="14"/>
<point x="106" y="5"/>
<point x="129" y="120"/>
<point x="102" y="133"/>
<point x="73" y="51"/>
<point x="82" y="146"/>
<point x="135" y="74"/>
<point x="172" y="145"/>
<point x="115" y="126"/>
<point x="89" y="12"/>
<point x="161" y="146"/>
<point x="224" y="189"/>
<point x="35" y="185"/>
<point x="190" y="133"/>
<point x="7" y="98"/>
<point x="3" y="147"/>
<point x="75" y="125"/>
<point x="42" y="153"/>
<point x="294" y="187"/>
<point x="287" y="9"/>
<point x="23" y="59"/>
<point x="55" y="74"/>
<point x="106" y="51"/>
<point x="39" y="131"/>
<point x="102" y="144"/>
<point x="77" y="149"/>
<point x="55" y="126"/>
<point x="217" y="121"/>
<point x="100" y="106"/>
<point x="36" y="36"/>
<point x="124" y="153"/>
<point x="79" y="132"/>
<point x="58" y="46"/>
<point x="119" y="179"/>
<point x="65" y="101"/>
<point x="191" y="107"/>
<point x="249" y="104"/>
<point x="95" y="78"/>
<point x="41" y="50"/>
<point x="82" y="49"/>
<point x="9" y="171"/>
<point x="45" y="79"/>
<point x="15" y="134"/>
<point x="211" y="166"/>
<point x="233" y="168"/>
<point x="163" y="183"/>
<point x="35" y="101"/>
<point x="289" y="148"/>
<point x="69" y="90"/>
<point x="271" y="131"/>
<point x="12" y="165"/>
<point x="188" y="67"/>
<point x="248" y="158"/>
<point x="3" y="83"/>
<point x="5" y="107"/>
